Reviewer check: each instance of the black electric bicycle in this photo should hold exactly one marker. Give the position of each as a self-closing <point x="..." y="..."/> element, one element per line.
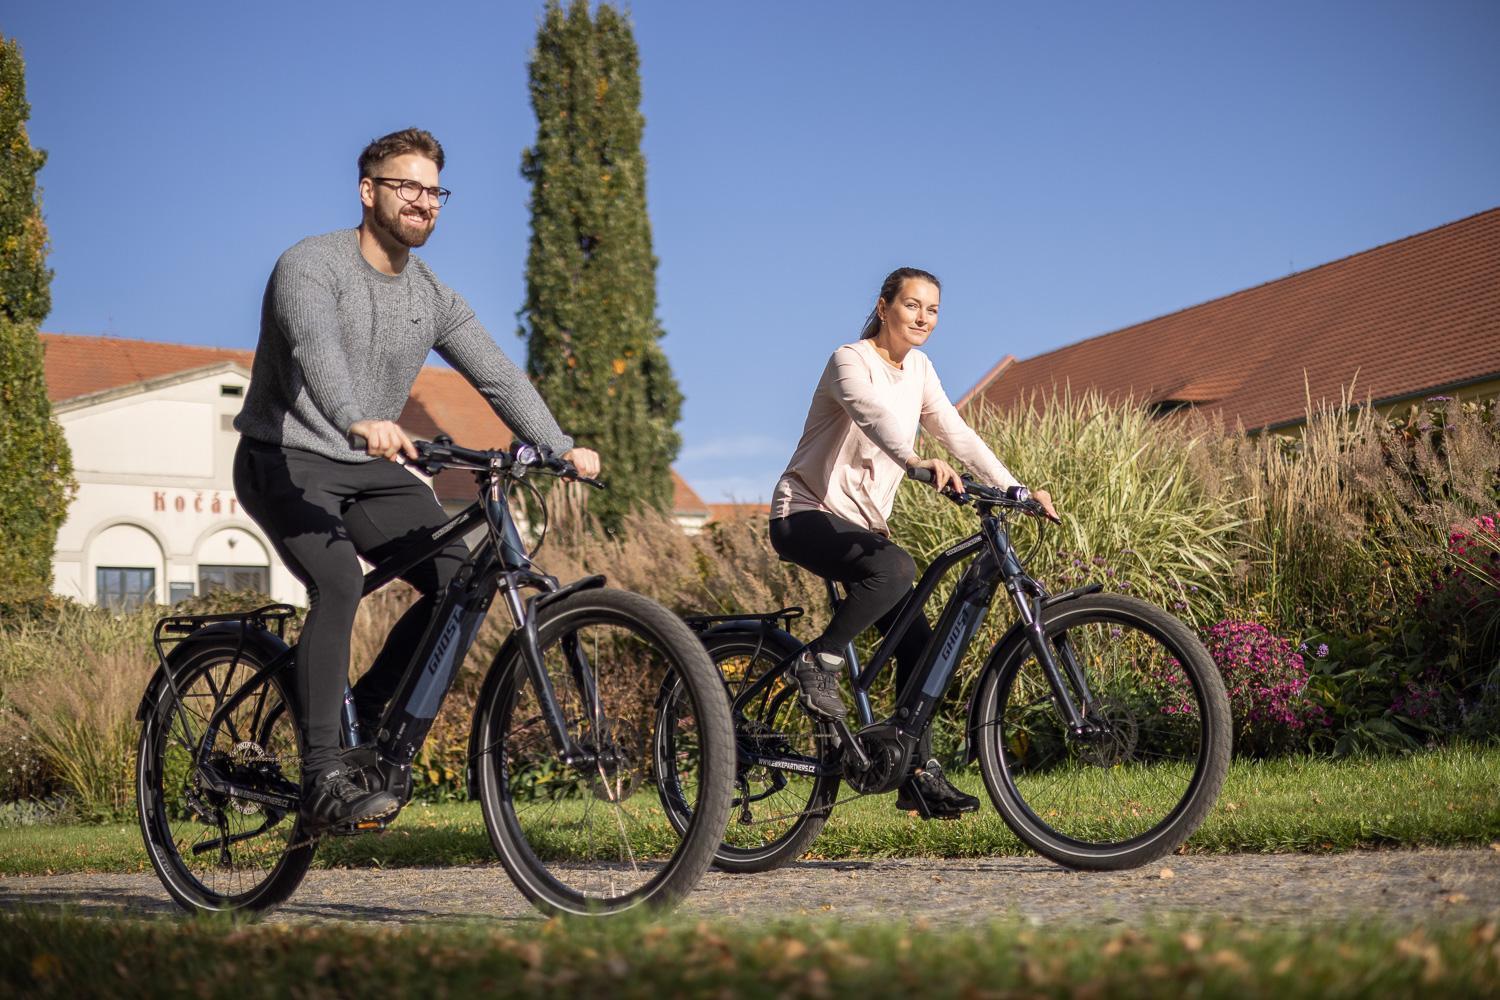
<point x="560" y="747"/>
<point x="1100" y="723"/>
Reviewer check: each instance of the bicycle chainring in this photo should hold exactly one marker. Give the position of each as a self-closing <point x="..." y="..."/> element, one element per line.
<point x="889" y="756"/>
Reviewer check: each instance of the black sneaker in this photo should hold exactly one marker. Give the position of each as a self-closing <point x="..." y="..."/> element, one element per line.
<point x="932" y="795"/>
<point x="817" y="678"/>
<point x="340" y="798"/>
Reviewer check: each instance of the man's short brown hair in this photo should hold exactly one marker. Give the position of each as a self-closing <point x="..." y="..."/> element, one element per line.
<point x="408" y="140"/>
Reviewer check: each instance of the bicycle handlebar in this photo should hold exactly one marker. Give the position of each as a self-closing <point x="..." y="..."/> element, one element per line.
<point x="441" y="453"/>
<point x="1013" y="497"/>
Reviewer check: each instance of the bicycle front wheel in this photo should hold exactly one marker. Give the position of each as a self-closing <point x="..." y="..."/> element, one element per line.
<point x="591" y="835"/>
<point x="217" y="851"/>
<point x="1148" y="767"/>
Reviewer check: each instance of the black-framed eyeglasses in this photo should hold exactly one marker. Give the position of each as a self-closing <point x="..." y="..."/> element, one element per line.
<point x="412" y="190"/>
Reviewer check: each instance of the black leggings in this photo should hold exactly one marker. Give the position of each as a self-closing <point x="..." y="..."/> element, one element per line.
<point x="876" y="571"/>
<point x="321" y="515"/>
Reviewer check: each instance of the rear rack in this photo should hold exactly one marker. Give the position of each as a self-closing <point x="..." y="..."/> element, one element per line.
<point x="766" y="618"/>
<point x="174" y="628"/>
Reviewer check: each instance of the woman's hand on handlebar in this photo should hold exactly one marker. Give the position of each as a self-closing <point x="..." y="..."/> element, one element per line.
<point x="383" y="439"/>
<point x="1045" y="499"/>
<point x="944" y="479"/>
<point x="585" y="460"/>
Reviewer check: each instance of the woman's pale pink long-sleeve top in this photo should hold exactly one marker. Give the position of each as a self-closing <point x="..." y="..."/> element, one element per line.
<point x="859" y="434"/>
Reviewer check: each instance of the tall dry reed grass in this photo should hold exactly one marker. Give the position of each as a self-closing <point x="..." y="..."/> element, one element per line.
<point x="79" y="721"/>
<point x="1345" y="524"/>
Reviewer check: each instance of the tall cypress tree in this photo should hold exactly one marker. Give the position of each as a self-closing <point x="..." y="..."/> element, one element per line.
<point x="35" y="465"/>
<point x="590" y="313"/>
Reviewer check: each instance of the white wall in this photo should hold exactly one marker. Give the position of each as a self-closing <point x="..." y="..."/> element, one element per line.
<point x="155" y="475"/>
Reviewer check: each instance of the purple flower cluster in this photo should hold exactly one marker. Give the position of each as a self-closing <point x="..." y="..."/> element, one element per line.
<point x="1418" y="701"/>
<point x="1265" y="675"/>
<point x="1474" y="576"/>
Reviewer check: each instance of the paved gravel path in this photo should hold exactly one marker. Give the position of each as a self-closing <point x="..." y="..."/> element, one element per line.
<point x="1401" y="886"/>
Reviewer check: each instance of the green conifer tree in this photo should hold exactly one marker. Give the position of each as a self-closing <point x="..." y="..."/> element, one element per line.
<point x="36" y="468"/>
<point x="590" y="312"/>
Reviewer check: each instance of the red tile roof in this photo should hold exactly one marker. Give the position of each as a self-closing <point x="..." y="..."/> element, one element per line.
<point x="80" y="366"/>
<point x="738" y="511"/>
<point x="442" y="401"/>
<point x="1411" y="317"/>
<point x="684" y="499"/>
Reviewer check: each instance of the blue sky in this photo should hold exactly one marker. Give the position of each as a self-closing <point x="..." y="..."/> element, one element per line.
<point x="1065" y="168"/>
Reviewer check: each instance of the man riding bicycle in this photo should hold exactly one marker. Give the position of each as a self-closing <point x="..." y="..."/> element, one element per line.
<point x="347" y="321"/>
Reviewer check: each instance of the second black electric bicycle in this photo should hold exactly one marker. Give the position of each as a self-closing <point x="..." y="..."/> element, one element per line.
<point x="560" y="753"/>
<point x="1100" y="723"/>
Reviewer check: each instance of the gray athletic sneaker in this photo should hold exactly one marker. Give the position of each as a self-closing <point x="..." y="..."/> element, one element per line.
<point x="817" y="680"/>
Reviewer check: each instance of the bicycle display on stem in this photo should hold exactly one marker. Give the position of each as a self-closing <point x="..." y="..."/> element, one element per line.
<point x="1100" y="723"/>
<point x="560" y="745"/>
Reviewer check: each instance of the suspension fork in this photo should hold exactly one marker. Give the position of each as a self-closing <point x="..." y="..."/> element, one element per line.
<point x="1027" y="596"/>
<point x="1029" y="607"/>
<point x="523" y="615"/>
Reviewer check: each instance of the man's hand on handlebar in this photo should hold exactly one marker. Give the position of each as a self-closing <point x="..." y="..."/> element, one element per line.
<point x="943" y="477"/>
<point x="585" y="460"/>
<point x="383" y="439"/>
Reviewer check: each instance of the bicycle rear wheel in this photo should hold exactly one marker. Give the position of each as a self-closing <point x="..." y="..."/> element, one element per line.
<point x="786" y="775"/>
<point x="591" y="836"/>
<point x="213" y="851"/>
<point x="1149" y="770"/>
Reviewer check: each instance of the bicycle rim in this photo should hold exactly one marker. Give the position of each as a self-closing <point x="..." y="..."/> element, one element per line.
<point x="595" y="836"/>
<point x="215" y="851"/>
<point x="1137" y="787"/>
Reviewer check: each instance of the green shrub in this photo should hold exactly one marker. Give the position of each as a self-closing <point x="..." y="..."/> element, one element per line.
<point x="36" y="480"/>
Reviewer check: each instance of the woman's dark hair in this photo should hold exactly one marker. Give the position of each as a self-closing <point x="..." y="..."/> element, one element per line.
<point x="889" y="289"/>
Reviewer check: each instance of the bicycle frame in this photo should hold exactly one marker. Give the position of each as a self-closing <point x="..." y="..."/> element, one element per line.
<point x="496" y="562"/>
<point x="994" y="564"/>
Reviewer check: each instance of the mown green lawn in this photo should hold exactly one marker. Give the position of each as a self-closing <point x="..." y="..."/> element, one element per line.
<point x="1439" y="798"/>
<point x="51" y="955"/>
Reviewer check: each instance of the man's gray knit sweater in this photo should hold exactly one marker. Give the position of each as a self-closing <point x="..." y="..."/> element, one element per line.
<point x="340" y="342"/>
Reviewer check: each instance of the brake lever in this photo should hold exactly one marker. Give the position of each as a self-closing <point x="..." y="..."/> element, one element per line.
<point x="566" y="470"/>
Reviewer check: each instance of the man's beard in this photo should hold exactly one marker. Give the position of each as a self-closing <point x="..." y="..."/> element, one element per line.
<point x="408" y="234"/>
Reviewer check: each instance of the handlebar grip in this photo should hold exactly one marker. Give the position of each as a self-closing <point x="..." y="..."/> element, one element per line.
<point x="918" y="473"/>
<point x="358" y="442"/>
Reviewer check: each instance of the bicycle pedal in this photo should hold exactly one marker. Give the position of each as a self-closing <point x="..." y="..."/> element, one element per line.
<point x="361" y="826"/>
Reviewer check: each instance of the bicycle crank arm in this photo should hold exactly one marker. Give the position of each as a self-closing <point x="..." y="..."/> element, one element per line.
<point x="851" y="745"/>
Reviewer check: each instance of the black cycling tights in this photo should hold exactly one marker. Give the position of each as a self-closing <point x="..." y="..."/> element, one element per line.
<point x="875" y="570"/>
<point x="321" y="515"/>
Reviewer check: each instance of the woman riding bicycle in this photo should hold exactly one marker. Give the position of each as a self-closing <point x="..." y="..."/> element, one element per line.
<point x="829" y="509"/>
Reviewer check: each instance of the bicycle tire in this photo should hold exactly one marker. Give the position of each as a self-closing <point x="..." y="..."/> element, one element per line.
<point x="172" y="805"/>
<point x="1093" y="803"/>
<point x="756" y="840"/>
<point x="539" y="809"/>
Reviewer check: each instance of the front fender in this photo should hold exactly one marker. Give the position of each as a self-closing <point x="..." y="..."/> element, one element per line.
<point x="1013" y="634"/>
<point x="260" y="643"/>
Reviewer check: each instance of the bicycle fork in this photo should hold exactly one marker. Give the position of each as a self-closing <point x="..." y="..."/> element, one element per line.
<point x="1059" y="676"/>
